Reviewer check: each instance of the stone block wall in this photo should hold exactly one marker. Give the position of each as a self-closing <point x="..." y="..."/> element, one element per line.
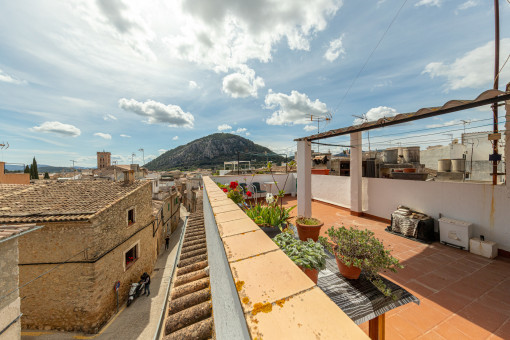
<point x="9" y="306"/>
<point x="110" y="269"/>
<point x="57" y="242"/>
<point x="61" y="300"/>
<point x="111" y="225"/>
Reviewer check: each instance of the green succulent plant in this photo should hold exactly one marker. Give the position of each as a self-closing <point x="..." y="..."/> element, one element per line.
<point x="360" y="248"/>
<point x="307" y="254"/>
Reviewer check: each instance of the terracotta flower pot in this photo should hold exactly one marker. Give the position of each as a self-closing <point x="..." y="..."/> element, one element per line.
<point x="409" y="170"/>
<point x="308" y="231"/>
<point x="349" y="272"/>
<point x="313" y="274"/>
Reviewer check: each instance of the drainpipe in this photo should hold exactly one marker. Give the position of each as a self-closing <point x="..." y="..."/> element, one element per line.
<point x="496" y="83"/>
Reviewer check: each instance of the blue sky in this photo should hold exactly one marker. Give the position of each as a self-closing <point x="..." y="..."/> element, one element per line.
<point x="78" y="77"/>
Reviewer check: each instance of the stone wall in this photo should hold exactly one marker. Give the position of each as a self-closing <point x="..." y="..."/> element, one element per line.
<point x="9" y="306"/>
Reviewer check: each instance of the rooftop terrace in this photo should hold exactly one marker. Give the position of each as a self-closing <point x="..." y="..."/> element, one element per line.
<point x="463" y="296"/>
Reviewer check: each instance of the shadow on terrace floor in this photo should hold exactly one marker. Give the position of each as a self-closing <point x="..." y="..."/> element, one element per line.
<point x="463" y="296"/>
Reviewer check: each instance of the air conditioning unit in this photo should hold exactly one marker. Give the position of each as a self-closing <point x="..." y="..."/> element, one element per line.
<point x="455" y="233"/>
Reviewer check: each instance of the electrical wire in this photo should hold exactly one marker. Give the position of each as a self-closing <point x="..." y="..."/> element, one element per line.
<point x="370" y="55"/>
<point x="41" y="275"/>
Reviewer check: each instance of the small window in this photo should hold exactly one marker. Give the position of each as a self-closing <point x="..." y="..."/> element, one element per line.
<point x="131" y="216"/>
<point x="168" y="207"/>
<point x="162" y="217"/>
<point x="131" y="256"/>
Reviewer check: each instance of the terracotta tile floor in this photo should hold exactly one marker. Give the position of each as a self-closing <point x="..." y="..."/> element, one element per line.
<point x="463" y="296"/>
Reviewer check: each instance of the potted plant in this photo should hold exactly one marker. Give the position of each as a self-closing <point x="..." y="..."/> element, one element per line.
<point x="272" y="219"/>
<point x="308" y="227"/>
<point x="359" y="250"/>
<point x="308" y="255"/>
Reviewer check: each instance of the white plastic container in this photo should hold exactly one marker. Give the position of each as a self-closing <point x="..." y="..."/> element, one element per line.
<point x="486" y="249"/>
<point x="455" y="232"/>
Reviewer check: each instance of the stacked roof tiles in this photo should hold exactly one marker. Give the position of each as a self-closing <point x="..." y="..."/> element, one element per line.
<point x="190" y="307"/>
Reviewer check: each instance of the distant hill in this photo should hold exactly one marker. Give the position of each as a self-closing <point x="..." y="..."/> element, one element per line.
<point x="211" y="151"/>
<point x="41" y="168"/>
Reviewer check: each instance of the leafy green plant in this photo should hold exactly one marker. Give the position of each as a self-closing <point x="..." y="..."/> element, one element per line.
<point x="360" y="248"/>
<point x="307" y="254"/>
<point x="269" y="215"/>
<point x="307" y="220"/>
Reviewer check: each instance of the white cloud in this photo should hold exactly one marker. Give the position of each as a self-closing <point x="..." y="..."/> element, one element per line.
<point x="224" y="127"/>
<point x="109" y="117"/>
<point x="175" y="138"/>
<point x="467" y="4"/>
<point x="248" y="134"/>
<point x="471" y="70"/>
<point x="310" y="128"/>
<point x="4" y="77"/>
<point x="377" y="113"/>
<point x="79" y="101"/>
<point x="429" y="3"/>
<point x="125" y="136"/>
<point x="162" y="151"/>
<point x="243" y="83"/>
<point x="58" y="128"/>
<point x="293" y="108"/>
<point x="241" y="130"/>
<point x="103" y="135"/>
<point x="445" y="124"/>
<point x="158" y="112"/>
<point x="335" y="49"/>
<point x="193" y="85"/>
<point x="225" y="34"/>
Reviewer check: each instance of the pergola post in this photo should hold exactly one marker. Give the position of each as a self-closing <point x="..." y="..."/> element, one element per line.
<point x="304" y="178"/>
<point x="507" y="139"/>
<point x="356" y="174"/>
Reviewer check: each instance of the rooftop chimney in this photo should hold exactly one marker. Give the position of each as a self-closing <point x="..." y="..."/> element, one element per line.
<point x="129" y="177"/>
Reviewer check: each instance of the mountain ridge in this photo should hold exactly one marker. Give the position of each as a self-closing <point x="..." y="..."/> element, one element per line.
<point x="211" y="151"/>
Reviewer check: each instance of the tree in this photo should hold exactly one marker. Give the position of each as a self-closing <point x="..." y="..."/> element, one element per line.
<point x="46" y="175"/>
<point x="34" y="173"/>
<point x="27" y="169"/>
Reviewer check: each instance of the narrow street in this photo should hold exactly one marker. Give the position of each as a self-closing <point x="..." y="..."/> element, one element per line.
<point x="141" y="319"/>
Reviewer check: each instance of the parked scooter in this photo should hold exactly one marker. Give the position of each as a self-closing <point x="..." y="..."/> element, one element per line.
<point x="135" y="291"/>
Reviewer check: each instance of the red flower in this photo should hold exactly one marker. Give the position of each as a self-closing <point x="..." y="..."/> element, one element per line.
<point x="248" y="193"/>
<point x="233" y="185"/>
<point x="225" y="190"/>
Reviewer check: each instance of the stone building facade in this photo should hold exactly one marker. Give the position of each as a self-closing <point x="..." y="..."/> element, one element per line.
<point x="98" y="233"/>
<point x="103" y="159"/>
<point x="10" y="325"/>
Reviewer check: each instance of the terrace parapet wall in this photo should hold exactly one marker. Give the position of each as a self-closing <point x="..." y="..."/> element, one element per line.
<point x="278" y="300"/>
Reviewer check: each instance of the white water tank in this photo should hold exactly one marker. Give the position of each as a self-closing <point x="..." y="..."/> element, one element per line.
<point x="444" y="165"/>
<point x="458" y="165"/>
<point x="411" y="154"/>
<point x="455" y="232"/>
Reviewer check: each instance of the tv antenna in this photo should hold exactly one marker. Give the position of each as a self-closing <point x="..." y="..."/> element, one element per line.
<point x="132" y="156"/>
<point x="4" y="146"/>
<point x="324" y="118"/>
<point x="143" y="155"/>
<point x="364" y="118"/>
<point x="465" y="122"/>
<point x="72" y="160"/>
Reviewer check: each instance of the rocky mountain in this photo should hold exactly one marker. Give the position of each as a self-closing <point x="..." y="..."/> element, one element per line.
<point x="211" y="151"/>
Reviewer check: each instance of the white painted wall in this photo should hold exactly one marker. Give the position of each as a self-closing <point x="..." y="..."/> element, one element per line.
<point x="290" y="187"/>
<point x="486" y="206"/>
<point x="332" y="189"/>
